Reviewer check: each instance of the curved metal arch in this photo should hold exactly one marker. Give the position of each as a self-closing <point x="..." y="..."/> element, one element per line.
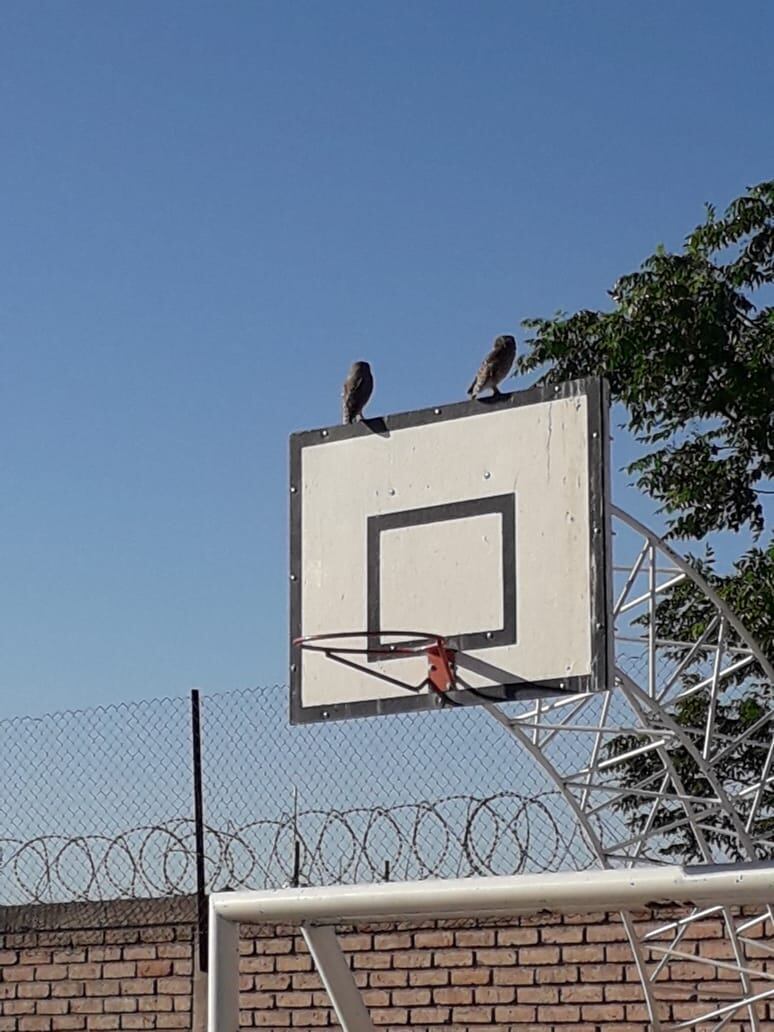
<point x="647" y="688"/>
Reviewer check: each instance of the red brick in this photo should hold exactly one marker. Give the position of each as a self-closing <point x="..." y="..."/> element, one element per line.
<point x="87" y="1006"/>
<point x="120" y="1005"/>
<point x="429" y="1016"/>
<point x="172" y="951"/>
<point x="93" y="938"/>
<point x="627" y="992"/>
<point x="270" y="946"/>
<point x="581" y="993"/>
<point x="51" y="972"/>
<point x="411" y="959"/>
<point x="513" y="976"/>
<point x="300" y="963"/>
<point x="517" y="936"/>
<point x="136" y="986"/>
<point x="483" y="937"/>
<point x="472" y="1015"/>
<point x="67" y="989"/>
<point x="537" y="994"/>
<point x="384" y="979"/>
<point x="561" y="973"/>
<point x="602" y="973"/>
<point x="98" y="954"/>
<point x="157" y="934"/>
<point x="453" y="958"/>
<point x="310" y="1018"/>
<point x="560" y="934"/>
<point x="375" y="997"/>
<point x="429" y="976"/>
<point x="514" y="1013"/>
<point x="472" y="976"/>
<point x="33" y="990"/>
<point x="52" y="1007"/>
<point x="456" y="996"/>
<point x="252" y="964"/>
<point x="560" y="1013"/>
<point x="152" y="969"/>
<point x="103" y="987"/>
<point x="602" y="1012"/>
<point x="354" y="942"/>
<point x="496" y="958"/>
<point x="19" y="973"/>
<point x="393" y="941"/>
<point x="389" y="1016"/>
<point x="119" y="969"/>
<point x="267" y="1019"/>
<point x="495" y="994"/>
<point x="35" y="1024"/>
<point x="539" y="955"/>
<point x="298" y="980"/>
<point x="173" y="986"/>
<point x="81" y="972"/>
<point x="435" y="939"/>
<point x="685" y="970"/>
<point x="267" y="982"/>
<point x="19" y="1007"/>
<point x="256" y="1001"/>
<point x="153" y="1004"/>
<point x="139" y="953"/>
<point x="37" y="956"/>
<point x="294" y="999"/>
<point x="68" y="956"/>
<point x="606" y="933"/>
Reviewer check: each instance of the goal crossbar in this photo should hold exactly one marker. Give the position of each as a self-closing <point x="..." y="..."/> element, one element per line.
<point x="316" y="910"/>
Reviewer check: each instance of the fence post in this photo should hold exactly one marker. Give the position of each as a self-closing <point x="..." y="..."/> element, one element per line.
<point x="202" y="915"/>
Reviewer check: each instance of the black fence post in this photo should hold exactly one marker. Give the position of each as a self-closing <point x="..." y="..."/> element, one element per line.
<point x="202" y="915"/>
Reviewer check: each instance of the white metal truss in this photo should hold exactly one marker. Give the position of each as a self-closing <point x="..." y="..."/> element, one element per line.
<point x="650" y="763"/>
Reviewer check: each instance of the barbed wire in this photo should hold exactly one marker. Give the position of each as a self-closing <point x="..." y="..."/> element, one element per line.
<point x="457" y="835"/>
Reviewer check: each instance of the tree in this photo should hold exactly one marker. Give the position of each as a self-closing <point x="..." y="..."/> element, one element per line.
<point x="688" y="349"/>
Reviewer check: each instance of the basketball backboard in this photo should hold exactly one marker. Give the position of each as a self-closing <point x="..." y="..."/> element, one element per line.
<point x="485" y="522"/>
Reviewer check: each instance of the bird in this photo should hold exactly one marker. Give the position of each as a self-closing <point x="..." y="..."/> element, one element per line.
<point x="495" y="366"/>
<point x="356" y="391"/>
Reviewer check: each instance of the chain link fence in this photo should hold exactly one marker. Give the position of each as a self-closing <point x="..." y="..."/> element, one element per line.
<point x="98" y="806"/>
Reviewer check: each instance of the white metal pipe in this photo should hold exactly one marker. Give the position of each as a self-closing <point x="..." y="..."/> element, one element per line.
<point x="561" y="892"/>
<point x="337" y="978"/>
<point x="223" y="985"/>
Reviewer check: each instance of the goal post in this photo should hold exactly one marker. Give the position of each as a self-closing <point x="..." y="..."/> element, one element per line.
<point x="315" y="911"/>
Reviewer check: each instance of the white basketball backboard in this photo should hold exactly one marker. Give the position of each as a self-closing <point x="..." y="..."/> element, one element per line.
<point x="484" y="521"/>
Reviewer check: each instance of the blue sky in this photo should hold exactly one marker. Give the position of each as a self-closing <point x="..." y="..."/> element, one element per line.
<point x="209" y="210"/>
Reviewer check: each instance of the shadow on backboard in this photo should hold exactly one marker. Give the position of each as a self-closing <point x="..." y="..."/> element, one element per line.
<point x="507" y="687"/>
<point x="376" y="425"/>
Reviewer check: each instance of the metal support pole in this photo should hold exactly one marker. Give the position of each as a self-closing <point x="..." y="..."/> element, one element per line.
<point x="337" y="978"/>
<point x="201" y="889"/>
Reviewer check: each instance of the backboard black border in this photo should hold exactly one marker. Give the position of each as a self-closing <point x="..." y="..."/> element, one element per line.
<point x="503" y="505"/>
<point x="595" y="390"/>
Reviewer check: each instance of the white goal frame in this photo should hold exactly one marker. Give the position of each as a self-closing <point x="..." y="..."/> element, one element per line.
<point x="317" y="910"/>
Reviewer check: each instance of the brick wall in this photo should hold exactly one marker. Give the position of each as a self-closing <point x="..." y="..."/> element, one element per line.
<point x="60" y="970"/>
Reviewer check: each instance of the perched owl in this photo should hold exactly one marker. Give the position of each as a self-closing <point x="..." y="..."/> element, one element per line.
<point x="357" y="390"/>
<point x="495" y="366"/>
